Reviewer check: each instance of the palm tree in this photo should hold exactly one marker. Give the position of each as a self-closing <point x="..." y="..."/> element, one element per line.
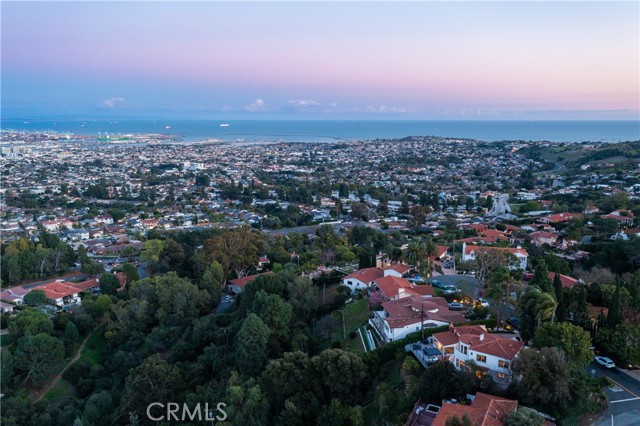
<point x="430" y="248"/>
<point x="546" y="306"/>
<point x="414" y="253"/>
<point x="425" y="267"/>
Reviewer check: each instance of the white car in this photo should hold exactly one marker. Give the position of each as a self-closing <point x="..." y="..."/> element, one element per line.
<point x="605" y="362"/>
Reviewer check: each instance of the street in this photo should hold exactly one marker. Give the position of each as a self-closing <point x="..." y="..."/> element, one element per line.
<point x="623" y="396"/>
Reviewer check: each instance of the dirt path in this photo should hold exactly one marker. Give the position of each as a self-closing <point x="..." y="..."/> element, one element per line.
<point x="44" y="391"/>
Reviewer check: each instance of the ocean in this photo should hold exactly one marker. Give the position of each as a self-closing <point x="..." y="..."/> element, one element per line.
<point x="335" y="130"/>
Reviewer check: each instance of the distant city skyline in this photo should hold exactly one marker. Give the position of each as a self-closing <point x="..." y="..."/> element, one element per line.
<point x="315" y="60"/>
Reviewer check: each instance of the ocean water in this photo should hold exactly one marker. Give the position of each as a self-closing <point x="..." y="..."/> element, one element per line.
<point x="334" y="130"/>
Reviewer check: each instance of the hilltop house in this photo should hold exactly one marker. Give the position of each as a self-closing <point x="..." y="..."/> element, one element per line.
<point x="407" y="315"/>
<point x="470" y="252"/>
<point x="492" y="353"/>
<point x="364" y="278"/>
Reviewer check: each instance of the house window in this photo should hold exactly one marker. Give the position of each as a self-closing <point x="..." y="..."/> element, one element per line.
<point x="463" y="349"/>
<point x="502" y="376"/>
<point x="503" y="364"/>
<point x="481" y="358"/>
<point x="480" y="374"/>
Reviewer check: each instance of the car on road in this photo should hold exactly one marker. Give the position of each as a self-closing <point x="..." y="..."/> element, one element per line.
<point x="227" y="297"/>
<point x="455" y="306"/>
<point x="436" y="283"/>
<point x="605" y="361"/>
<point x="482" y="302"/>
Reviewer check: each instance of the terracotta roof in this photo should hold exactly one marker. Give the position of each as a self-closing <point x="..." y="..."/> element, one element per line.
<point x="391" y="285"/>
<point x="241" y="282"/>
<point x="56" y="290"/>
<point x="452" y="336"/>
<point x="485" y="410"/>
<point x="567" y="281"/>
<point x="398" y="267"/>
<point x="88" y="284"/>
<point x="407" y="311"/>
<point x="494" y="233"/>
<point x="469" y="249"/>
<point x="366" y="275"/>
<point x="441" y="251"/>
<point x="493" y="344"/>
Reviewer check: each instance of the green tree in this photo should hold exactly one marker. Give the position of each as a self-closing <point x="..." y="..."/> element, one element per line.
<point x="274" y="311"/>
<point x="342" y="375"/>
<point x="561" y="311"/>
<point x="581" y="312"/>
<point x="212" y="281"/>
<point x="571" y="339"/>
<point x="623" y="342"/>
<point x="614" y="318"/>
<point x="414" y="253"/>
<point x="452" y="383"/>
<point x="152" y="250"/>
<point x="541" y="277"/>
<point x="37" y="356"/>
<point x="131" y="272"/>
<point x="251" y="345"/>
<point x="30" y="322"/>
<point x="542" y="378"/>
<point x="523" y="416"/>
<point x="35" y="298"/>
<point x="303" y="297"/>
<point x="109" y="283"/>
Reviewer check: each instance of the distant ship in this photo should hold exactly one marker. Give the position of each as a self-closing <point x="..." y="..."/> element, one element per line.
<point x="224" y="125"/>
<point x="167" y="127"/>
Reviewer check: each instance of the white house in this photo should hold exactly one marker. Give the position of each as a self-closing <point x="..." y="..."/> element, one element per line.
<point x="60" y="294"/>
<point x="470" y="252"/>
<point x="492" y="353"/>
<point x="14" y="295"/>
<point x="403" y="316"/>
<point x="364" y="278"/>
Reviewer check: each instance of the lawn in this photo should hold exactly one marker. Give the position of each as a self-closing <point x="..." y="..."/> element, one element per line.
<point x="356" y="315"/>
<point x="62" y="389"/>
<point x="93" y="348"/>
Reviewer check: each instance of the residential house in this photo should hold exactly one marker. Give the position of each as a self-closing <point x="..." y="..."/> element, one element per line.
<point x="396" y="288"/>
<point x="566" y="280"/>
<point x="624" y="217"/>
<point x="484" y="410"/>
<point x="540" y="238"/>
<point x="470" y="252"/>
<point x="403" y="316"/>
<point x="560" y="217"/>
<point x="492" y="353"/>
<point x="14" y="295"/>
<point x="237" y="285"/>
<point x="365" y="277"/>
<point x="61" y="294"/>
<point x="7" y="308"/>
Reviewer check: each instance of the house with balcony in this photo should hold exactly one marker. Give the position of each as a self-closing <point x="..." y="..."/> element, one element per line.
<point x="470" y="252"/>
<point x="61" y="294"/>
<point x="492" y="353"/>
<point x="398" y="318"/>
<point x="364" y="278"/>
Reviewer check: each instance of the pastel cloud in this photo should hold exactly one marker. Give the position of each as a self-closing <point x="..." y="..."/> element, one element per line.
<point x="257" y="105"/>
<point x="115" y="102"/>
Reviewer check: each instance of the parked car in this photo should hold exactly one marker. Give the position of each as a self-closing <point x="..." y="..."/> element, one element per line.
<point x="455" y="306"/>
<point x="436" y="283"/>
<point x="605" y="361"/>
<point x="482" y="302"/>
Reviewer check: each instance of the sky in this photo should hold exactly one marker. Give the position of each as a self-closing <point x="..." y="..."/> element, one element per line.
<point x="315" y="60"/>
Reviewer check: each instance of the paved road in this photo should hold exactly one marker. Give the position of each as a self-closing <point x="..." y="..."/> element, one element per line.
<point x="224" y="305"/>
<point x="623" y="396"/>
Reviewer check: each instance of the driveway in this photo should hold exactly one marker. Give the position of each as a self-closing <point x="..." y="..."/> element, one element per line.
<point x="623" y="396"/>
<point x="224" y="305"/>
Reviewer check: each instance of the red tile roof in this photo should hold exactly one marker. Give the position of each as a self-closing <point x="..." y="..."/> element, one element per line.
<point x="485" y="410"/>
<point x="86" y="285"/>
<point x="567" y="281"/>
<point x="366" y="275"/>
<point x="391" y="285"/>
<point x="407" y="311"/>
<point x="493" y="344"/>
<point x="56" y="290"/>
<point x="398" y="267"/>
<point x="241" y="282"/>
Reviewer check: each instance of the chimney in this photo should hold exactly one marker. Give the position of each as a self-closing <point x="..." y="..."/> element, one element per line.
<point x="481" y="337"/>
